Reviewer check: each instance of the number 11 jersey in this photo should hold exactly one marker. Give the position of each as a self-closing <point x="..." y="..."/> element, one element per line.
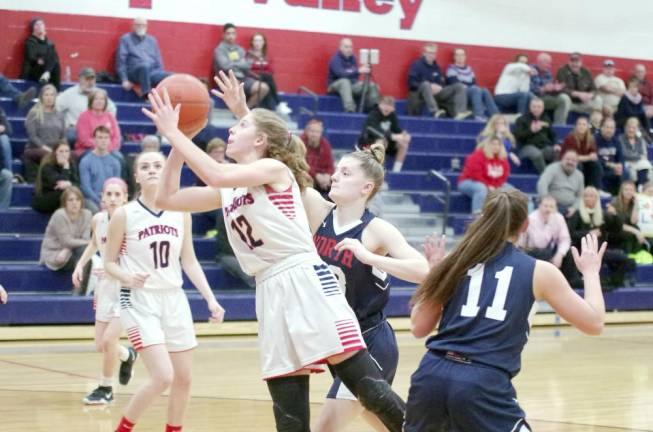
<point x="152" y="245"/>
<point x="487" y="318"/>
<point x="265" y="226"/>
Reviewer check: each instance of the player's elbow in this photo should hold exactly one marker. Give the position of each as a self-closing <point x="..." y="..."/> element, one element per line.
<point x="594" y="328"/>
<point x="419" y="330"/>
<point x="215" y="180"/>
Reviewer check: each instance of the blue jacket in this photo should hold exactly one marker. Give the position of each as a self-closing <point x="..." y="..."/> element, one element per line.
<point x="343" y="67"/>
<point x="134" y="51"/>
<point x="609" y="151"/>
<point x="421" y="71"/>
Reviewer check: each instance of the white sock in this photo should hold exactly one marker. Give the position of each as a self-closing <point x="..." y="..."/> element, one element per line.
<point x="106" y="382"/>
<point x="397" y="166"/>
<point x="123" y="353"/>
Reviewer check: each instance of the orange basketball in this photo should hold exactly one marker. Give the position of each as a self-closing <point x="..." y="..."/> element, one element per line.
<point x="194" y="98"/>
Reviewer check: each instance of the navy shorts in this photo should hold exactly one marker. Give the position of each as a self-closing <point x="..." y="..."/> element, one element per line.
<point x="452" y="395"/>
<point x="382" y="346"/>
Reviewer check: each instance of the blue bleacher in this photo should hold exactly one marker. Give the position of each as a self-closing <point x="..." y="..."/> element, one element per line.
<point x="41" y="296"/>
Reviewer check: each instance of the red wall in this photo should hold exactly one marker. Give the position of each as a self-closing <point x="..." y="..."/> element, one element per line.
<point x="300" y="58"/>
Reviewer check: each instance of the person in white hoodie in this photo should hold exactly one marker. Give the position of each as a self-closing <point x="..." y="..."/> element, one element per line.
<point x="512" y="92"/>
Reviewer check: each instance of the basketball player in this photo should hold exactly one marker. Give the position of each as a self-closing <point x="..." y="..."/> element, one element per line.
<point x="363" y="251"/>
<point x="106" y="300"/>
<point x="152" y="247"/>
<point x="483" y="295"/>
<point x="303" y="316"/>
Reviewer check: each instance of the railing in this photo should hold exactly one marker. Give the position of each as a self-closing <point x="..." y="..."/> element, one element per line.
<point x="445" y="200"/>
<point x="316" y="101"/>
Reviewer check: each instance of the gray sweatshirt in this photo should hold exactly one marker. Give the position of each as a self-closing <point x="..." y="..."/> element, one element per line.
<point x="64" y="233"/>
<point x="228" y="57"/>
<point x="567" y="189"/>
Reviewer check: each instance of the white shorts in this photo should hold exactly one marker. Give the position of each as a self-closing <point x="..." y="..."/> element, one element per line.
<point x="106" y="300"/>
<point x="303" y="316"/>
<point x="153" y="317"/>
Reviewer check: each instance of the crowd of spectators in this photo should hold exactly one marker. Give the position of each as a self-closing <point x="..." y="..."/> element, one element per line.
<point x="74" y="139"/>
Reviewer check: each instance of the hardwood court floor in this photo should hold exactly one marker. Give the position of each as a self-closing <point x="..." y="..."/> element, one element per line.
<point x="569" y="383"/>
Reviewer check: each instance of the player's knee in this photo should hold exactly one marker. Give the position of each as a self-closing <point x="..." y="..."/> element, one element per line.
<point x="373" y="393"/>
<point x="287" y="422"/>
<point x="162" y="380"/>
<point x="99" y="346"/>
<point x="183" y="379"/>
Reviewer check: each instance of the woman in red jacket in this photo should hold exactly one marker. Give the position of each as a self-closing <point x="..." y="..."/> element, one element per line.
<point x="581" y="140"/>
<point x="486" y="169"/>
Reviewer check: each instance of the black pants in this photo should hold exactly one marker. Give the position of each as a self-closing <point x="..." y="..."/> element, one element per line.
<point x="592" y="171"/>
<point x="271" y="100"/>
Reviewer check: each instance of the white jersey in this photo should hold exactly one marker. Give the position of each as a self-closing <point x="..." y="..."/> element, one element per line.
<point x="152" y="245"/>
<point x="265" y="226"/>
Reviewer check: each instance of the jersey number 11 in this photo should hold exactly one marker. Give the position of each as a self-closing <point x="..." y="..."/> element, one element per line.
<point x="496" y="311"/>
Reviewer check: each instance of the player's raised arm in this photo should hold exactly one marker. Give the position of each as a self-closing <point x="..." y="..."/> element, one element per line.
<point x="588" y="313"/>
<point x="232" y="93"/>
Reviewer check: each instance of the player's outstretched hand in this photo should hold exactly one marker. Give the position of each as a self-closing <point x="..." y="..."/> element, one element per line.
<point x="3" y="295"/>
<point x="590" y="257"/>
<point x="356" y="247"/>
<point x="217" y="312"/>
<point x="434" y="249"/>
<point x="163" y="114"/>
<point x="138" y="280"/>
<point x="232" y="93"/>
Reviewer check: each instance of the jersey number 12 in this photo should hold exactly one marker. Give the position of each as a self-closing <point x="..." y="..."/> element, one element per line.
<point x="496" y="311"/>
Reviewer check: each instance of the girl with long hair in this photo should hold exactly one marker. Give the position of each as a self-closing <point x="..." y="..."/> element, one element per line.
<point x="498" y="126"/>
<point x="106" y="299"/>
<point x="146" y="250"/>
<point x="482" y="294"/>
<point x="303" y="316"/>
<point x="581" y="140"/>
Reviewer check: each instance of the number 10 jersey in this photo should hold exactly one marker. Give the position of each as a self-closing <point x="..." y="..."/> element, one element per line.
<point x="265" y="226"/>
<point x="152" y="245"/>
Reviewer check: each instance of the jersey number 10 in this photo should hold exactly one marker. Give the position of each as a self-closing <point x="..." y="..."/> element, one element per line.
<point x="496" y="311"/>
<point x="160" y="253"/>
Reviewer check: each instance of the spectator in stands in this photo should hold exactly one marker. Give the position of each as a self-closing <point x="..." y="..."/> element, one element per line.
<point x="5" y="143"/>
<point x="6" y="185"/>
<point x="645" y="88"/>
<point x="98" y="166"/>
<point x="229" y="56"/>
<point x="582" y="142"/>
<point x="97" y="115"/>
<point x="590" y="218"/>
<point x="318" y="155"/>
<point x="632" y="105"/>
<point x="427" y="85"/>
<point x="40" y="61"/>
<point x="547" y="237"/>
<point x="138" y="60"/>
<point x="564" y="182"/>
<point x="549" y="90"/>
<point x="596" y="120"/>
<point x="57" y="172"/>
<point x="610" y="156"/>
<point x="67" y="234"/>
<point x="479" y="98"/>
<point x="73" y="101"/>
<point x="260" y="66"/>
<point x="610" y="87"/>
<point x="21" y="99"/>
<point x="536" y="139"/>
<point x="624" y="206"/>
<point x="579" y="86"/>
<point x="45" y="128"/>
<point x="498" y="126"/>
<point x="635" y="152"/>
<point x="382" y="124"/>
<point x="512" y="92"/>
<point x="343" y="78"/>
<point x="486" y="169"/>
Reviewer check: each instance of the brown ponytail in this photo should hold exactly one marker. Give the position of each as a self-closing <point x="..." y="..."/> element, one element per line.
<point x="371" y="162"/>
<point x="282" y="145"/>
<point x="503" y="214"/>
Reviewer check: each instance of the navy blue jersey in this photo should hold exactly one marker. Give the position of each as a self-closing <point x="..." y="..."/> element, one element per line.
<point x="487" y="318"/>
<point x="365" y="287"/>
